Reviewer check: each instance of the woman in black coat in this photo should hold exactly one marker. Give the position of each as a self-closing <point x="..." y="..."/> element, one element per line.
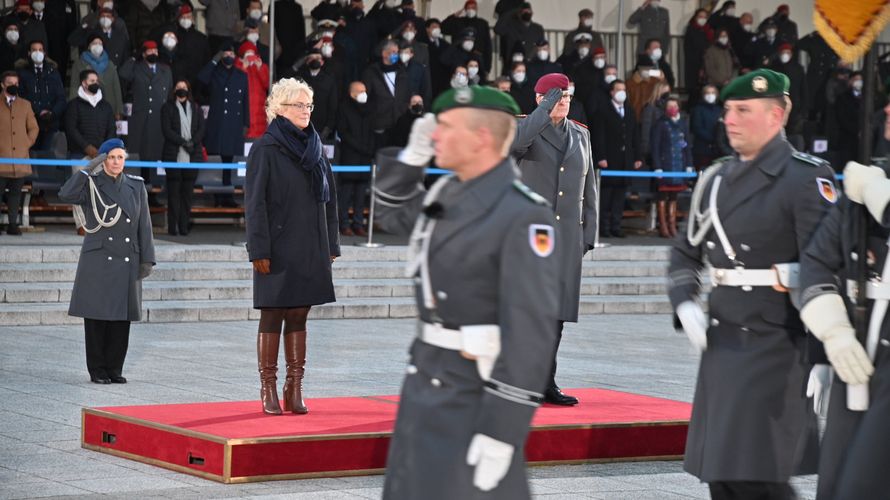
<point x="182" y="123"/>
<point x="292" y="238"/>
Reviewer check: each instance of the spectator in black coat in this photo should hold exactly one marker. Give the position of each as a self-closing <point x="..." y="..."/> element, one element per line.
<point x="182" y="124"/>
<point x="724" y="18"/>
<point x="290" y="31"/>
<point x="542" y="62"/>
<point x="461" y="51"/>
<point x="12" y="47"/>
<point x="326" y="9"/>
<point x="698" y="37"/>
<point x="744" y="42"/>
<point x="653" y="58"/>
<point x="585" y="26"/>
<point x="468" y="18"/>
<point x="361" y="33"/>
<point x="115" y="39"/>
<point x="767" y="45"/>
<point x="522" y="90"/>
<point x="389" y="91"/>
<point x="516" y="27"/>
<point x="324" y="116"/>
<point x="418" y="74"/>
<point x="41" y="83"/>
<point x="29" y="27"/>
<point x="847" y="112"/>
<point x="786" y="28"/>
<point x="799" y="93"/>
<point x="385" y="16"/>
<point x="437" y="45"/>
<point x="356" y="148"/>
<point x="822" y="60"/>
<point x="89" y="119"/>
<point x="59" y="19"/>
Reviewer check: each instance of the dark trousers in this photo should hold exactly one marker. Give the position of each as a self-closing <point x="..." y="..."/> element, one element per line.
<point x="226" y="181"/>
<point x="351" y="193"/>
<point x="106" y="346"/>
<point x="13" y="197"/>
<point x="552" y="384"/>
<point x="751" y="490"/>
<point x="180" y="184"/>
<point x="611" y="207"/>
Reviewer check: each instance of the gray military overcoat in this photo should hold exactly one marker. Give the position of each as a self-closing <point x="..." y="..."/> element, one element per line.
<point x="107" y="284"/>
<point x="751" y="420"/>
<point x="150" y="92"/>
<point x="483" y="270"/>
<point x="559" y="166"/>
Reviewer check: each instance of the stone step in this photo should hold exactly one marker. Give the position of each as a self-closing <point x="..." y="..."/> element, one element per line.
<point x="10" y="254"/>
<point x="211" y="271"/>
<point x="344" y="288"/>
<point x="241" y="310"/>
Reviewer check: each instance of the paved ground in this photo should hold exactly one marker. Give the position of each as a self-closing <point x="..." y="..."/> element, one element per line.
<point x="44" y="385"/>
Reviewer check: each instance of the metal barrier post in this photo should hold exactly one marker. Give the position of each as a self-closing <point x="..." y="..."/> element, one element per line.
<point x="370" y="243"/>
<point x="599" y="197"/>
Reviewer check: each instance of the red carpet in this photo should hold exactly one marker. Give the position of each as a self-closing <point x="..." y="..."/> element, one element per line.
<point x="236" y="442"/>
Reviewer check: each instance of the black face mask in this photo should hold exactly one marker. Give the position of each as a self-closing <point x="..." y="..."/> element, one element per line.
<point x="526" y="16"/>
<point x="181" y="93"/>
<point x="152" y="58"/>
<point x="93" y="88"/>
<point x="417" y="109"/>
<point x="314" y="64"/>
<point x="23" y="16"/>
<point x="12" y="90"/>
<point x="228" y="60"/>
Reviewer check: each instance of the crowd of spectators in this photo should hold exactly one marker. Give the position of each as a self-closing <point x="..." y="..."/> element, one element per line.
<point x="144" y="70"/>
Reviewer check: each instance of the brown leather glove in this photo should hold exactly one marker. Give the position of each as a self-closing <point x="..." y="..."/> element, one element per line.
<point x="91" y="151"/>
<point x="262" y="266"/>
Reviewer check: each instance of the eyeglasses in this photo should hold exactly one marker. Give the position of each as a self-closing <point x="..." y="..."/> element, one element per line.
<point x="300" y="106"/>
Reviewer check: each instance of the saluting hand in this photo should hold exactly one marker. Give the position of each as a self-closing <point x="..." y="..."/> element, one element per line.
<point x="262" y="266"/>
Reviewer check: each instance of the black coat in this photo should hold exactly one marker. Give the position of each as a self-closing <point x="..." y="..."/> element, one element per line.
<point x="172" y="131"/>
<point x="822" y="60"/>
<point x="440" y="73"/>
<point x="799" y="93"/>
<point x="387" y="108"/>
<point x="537" y="68"/>
<point x="45" y="91"/>
<point x="88" y="126"/>
<point x="695" y="43"/>
<point x="286" y="223"/>
<point x="524" y="95"/>
<point x="229" y="114"/>
<point x="356" y="135"/>
<point x="454" y="26"/>
<point x="617" y="140"/>
<point x="290" y="30"/>
<point x="324" y="87"/>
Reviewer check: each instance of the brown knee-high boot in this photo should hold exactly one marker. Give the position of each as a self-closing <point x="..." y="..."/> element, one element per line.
<point x="267" y="359"/>
<point x="295" y="355"/>
<point x="672" y="218"/>
<point x="662" y="219"/>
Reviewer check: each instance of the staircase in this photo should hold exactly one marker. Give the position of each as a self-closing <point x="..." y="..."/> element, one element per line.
<point x="194" y="283"/>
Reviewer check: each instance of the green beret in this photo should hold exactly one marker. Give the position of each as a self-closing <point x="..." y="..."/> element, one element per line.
<point x="755" y="85"/>
<point x="477" y="97"/>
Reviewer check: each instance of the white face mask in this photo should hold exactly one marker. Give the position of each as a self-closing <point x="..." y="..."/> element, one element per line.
<point x="328" y="34"/>
<point x="38" y="6"/>
<point x="96" y="49"/>
<point x="327" y="50"/>
<point x="361" y="98"/>
<point x="436" y="33"/>
<point x="857" y="84"/>
<point x="701" y="21"/>
<point x="459" y="80"/>
<point x="37" y="56"/>
<point x="543" y="55"/>
<point x="519" y="77"/>
<point x="730" y="12"/>
<point x="408" y="35"/>
<point x="771" y="33"/>
<point x="253" y="37"/>
<point x="656" y="54"/>
<point x="621" y="95"/>
<point x="518" y="58"/>
<point x="655" y="3"/>
<point x="587" y="22"/>
<point x="571" y="90"/>
<point x="108" y="5"/>
<point x="599" y="62"/>
<point x="785" y="57"/>
<point x="169" y="42"/>
<point x="473" y="71"/>
<point x="710" y="98"/>
<point x="12" y="36"/>
<point x="105" y="22"/>
<point x="185" y="23"/>
<point x="723" y="40"/>
<point x="467" y="45"/>
<point x="471" y="13"/>
<point x="256" y="14"/>
<point x="610" y="78"/>
<point x="391" y="3"/>
<point x="405" y="57"/>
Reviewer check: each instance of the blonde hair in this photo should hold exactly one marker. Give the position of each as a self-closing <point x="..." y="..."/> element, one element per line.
<point x="657" y="90"/>
<point x="286" y="89"/>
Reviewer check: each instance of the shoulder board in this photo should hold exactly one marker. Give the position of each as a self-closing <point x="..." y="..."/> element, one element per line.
<point x="527" y="191"/>
<point x="521" y="116"/>
<point x="576" y="122"/>
<point x="811" y="160"/>
<point x="722" y="159"/>
<point x="135" y="177"/>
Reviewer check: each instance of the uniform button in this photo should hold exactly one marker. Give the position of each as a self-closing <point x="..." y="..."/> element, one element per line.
<point x="441" y="295"/>
<point x="128" y="221"/>
<point x="560" y="193"/>
<point x="226" y="89"/>
<point x="149" y="99"/>
<point x="715" y="322"/>
<point x="110" y="238"/>
<point x="127" y="240"/>
<point x="225" y="111"/>
<point x="149" y="111"/>
<point x="109" y="257"/>
<point x="885" y="342"/>
<point x="711" y="245"/>
<point x="126" y="259"/>
<point x="747" y="288"/>
<point x="745" y="247"/>
<point x="149" y="87"/>
<point x="225" y="100"/>
<point x="746" y="329"/>
<point x="411" y="369"/>
<point x="436" y="382"/>
<point x="557" y="217"/>
<point x="562" y="169"/>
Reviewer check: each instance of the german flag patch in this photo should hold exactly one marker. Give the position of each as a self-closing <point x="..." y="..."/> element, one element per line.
<point x="541" y="239"/>
<point x="826" y="189"/>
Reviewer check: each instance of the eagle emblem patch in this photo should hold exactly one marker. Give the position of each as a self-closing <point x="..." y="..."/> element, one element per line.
<point x="826" y="189"/>
<point x="540" y="238"/>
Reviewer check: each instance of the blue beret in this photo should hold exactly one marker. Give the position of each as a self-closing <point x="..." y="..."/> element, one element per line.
<point x="111" y="144"/>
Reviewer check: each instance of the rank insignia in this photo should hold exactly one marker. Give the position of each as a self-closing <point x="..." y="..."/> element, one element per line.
<point x="540" y="238"/>
<point x="826" y="189"/>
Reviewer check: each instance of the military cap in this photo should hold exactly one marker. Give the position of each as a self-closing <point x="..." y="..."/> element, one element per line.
<point x="477" y="97"/>
<point x="542" y="43"/>
<point x="468" y="34"/>
<point x="551" y="81"/>
<point x="757" y="84"/>
<point x="110" y="144"/>
<point x="582" y="37"/>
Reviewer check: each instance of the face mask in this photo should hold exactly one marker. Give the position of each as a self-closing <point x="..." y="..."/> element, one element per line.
<point x="185" y="23"/>
<point x="610" y="78"/>
<point x="417" y="109"/>
<point x="37" y="56"/>
<point x="710" y="98"/>
<point x="404" y="57"/>
<point x="599" y="63"/>
<point x="96" y="50"/>
<point x="93" y="88"/>
<point x="314" y="64"/>
<point x="730" y="12"/>
<point x="467" y="45"/>
<point x="771" y="33"/>
<point x="408" y="35"/>
<point x="361" y="98"/>
<point x="12" y="90"/>
<point x="571" y="90"/>
<point x="228" y="60"/>
<point x="393" y="58"/>
<point x="620" y="96"/>
<point x="518" y="58"/>
<point x="256" y="14"/>
<point x="391" y="3"/>
<point x="327" y="50"/>
<point x="748" y="27"/>
<point x="723" y="40"/>
<point x="519" y="77"/>
<point x="473" y="71"/>
<point x="105" y="22"/>
<point x="701" y="21"/>
<point x="169" y="42"/>
<point x="587" y="22"/>
<point x="108" y="5"/>
<point x="436" y="33"/>
<point x="672" y="113"/>
<point x="12" y="36"/>
<point x="857" y="84"/>
<point x="526" y="16"/>
<point x="253" y="37"/>
<point x="182" y="93"/>
<point x="656" y="54"/>
<point x="23" y="16"/>
<point x="785" y="58"/>
<point x="543" y="55"/>
<point x="471" y="13"/>
<point x="459" y="80"/>
<point x="38" y="6"/>
<point x="328" y="34"/>
<point x="151" y="58"/>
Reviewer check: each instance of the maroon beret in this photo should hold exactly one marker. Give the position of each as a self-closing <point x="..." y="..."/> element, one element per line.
<point x="551" y="80"/>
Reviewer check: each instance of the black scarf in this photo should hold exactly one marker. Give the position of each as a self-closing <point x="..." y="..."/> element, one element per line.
<point x="305" y="146"/>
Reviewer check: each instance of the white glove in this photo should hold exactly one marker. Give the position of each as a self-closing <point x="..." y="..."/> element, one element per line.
<point x="420" y="150"/>
<point x="695" y="323"/>
<point x="492" y="460"/>
<point x="857" y="177"/>
<point x="826" y="317"/>
<point x="96" y="165"/>
<point x="819" y="387"/>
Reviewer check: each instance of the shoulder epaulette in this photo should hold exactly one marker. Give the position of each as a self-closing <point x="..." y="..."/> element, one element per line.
<point x="527" y="191"/>
<point x="722" y="159"/>
<point x="576" y="122"/>
<point x="521" y="116"/>
<point x="809" y="159"/>
<point x="135" y="177"/>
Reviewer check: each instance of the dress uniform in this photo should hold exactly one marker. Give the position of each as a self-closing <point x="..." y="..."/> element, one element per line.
<point x="855" y="454"/>
<point x="556" y="162"/>
<point x="117" y="253"/>
<point x="751" y="425"/>
<point x="483" y="257"/>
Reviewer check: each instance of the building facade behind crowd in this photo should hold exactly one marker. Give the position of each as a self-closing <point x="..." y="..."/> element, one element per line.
<point x="134" y="51"/>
